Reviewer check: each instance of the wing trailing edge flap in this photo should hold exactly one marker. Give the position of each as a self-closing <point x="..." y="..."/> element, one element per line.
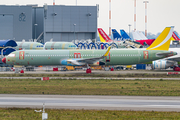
<point x="85" y="61"/>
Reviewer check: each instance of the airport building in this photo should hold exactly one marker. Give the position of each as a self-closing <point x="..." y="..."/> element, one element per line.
<point x="50" y="22"/>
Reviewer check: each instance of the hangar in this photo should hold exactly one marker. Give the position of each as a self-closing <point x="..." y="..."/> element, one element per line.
<point x="57" y="22"/>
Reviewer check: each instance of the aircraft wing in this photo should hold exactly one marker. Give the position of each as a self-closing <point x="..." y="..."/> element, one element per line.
<point x="177" y="59"/>
<point x="174" y="58"/>
<point x="85" y="61"/>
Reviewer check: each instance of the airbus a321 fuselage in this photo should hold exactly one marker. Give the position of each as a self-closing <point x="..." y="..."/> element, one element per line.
<point x="157" y="50"/>
<point x="62" y="57"/>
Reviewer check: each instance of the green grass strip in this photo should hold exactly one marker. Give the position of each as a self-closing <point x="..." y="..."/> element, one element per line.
<point x="55" y="114"/>
<point x="137" y="75"/>
<point x="91" y="87"/>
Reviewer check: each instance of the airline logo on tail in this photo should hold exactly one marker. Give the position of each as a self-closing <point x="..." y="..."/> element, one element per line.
<point x="162" y="42"/>
<point x="175" y="36"/>
<point x="103" y="36"/>
<point x="116" y="35"/>
<point x="124" y="35"/>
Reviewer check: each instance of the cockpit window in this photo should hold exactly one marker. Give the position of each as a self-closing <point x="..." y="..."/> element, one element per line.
<point x="12" y="55"/>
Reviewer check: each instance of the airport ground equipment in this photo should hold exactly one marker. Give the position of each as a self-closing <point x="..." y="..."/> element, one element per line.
<point x="140" y="66"/>
<point x="30" y="68"/>
<point x="44" y="115"/>
<point x="176" y="68"/>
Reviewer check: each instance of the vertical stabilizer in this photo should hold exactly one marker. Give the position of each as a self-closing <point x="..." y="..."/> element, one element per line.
<point x="162" y="42"/>
<point x="175" y="36"/>
<point x="124" y="35"/>
<point x="103" y="36"/>
<point x="136" y="36"/>
<point x="116" y="35"/>
<point x="143" y="37"/>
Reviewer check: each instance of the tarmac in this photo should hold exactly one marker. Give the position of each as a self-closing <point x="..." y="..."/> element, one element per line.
<point x="135" y="103"/>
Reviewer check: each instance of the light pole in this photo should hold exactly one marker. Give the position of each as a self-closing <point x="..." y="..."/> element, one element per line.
<point x="146" y="2"/>
<point x="74" y="32"/>
<point x="35" y="30"/>
<point x="129" y="29"/>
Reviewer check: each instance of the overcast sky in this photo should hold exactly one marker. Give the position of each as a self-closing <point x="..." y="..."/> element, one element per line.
<point x="161" y="13"/>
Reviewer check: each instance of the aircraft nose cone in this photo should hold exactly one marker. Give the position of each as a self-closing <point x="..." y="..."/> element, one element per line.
<point x="4" y="60"/>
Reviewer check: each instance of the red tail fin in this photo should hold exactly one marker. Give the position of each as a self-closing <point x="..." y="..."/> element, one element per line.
<point x="103" y="36"/>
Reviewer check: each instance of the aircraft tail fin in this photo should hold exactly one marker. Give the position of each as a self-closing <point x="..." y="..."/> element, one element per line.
<point x="116" y="35"/>
<point x="175" y="36"/>
<point x="103" y="36"/>
<point x="143" y="37"/>
<point x="124" y="34"/>
<point x="136" y="35"/>
<point x="162" y="42"/>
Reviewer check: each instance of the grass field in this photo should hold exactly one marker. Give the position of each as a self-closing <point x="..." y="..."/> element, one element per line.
<point x="137" y="75"/>
<point x="54" y="114"/>
<point x="91" y="87"/>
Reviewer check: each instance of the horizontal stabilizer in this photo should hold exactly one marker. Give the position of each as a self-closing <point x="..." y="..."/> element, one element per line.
<point x="168" y="54"/>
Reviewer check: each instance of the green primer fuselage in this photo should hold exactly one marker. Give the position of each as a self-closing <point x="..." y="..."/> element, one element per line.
<point x="54" y="57"/>
<point x="29" y="46"/>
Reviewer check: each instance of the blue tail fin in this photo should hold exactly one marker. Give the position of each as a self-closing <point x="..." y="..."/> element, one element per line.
<point x="124" y="35"/>
<point x="116" y="35"/>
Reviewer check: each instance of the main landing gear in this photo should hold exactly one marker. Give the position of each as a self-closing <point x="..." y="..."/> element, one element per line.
<point x="88" y="70"/>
